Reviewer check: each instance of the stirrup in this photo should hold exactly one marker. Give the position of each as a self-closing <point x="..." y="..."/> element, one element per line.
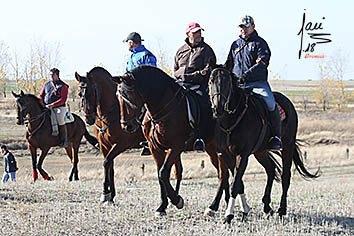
<point x="275" y="144"/>
<point x="144" y="144"/>
<point x="199" y="145"/>
<point x="145" y="152"/>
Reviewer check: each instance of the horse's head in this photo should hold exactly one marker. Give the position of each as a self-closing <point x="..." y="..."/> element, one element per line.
<point x="130" y="102"/>
<point x="221" y="85"/>
<point x="25" y="104"/>
<point x="89" y="95"/>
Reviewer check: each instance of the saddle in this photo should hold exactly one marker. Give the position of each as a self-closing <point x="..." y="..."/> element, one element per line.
<point x="192" y="95"/>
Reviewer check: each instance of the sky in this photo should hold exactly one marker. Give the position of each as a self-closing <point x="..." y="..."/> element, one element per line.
<point x="91" y="32"/>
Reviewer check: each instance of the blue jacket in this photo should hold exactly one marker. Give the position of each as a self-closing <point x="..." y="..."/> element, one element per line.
<point x="140" y="56"/>
<point x="251" y="61"/>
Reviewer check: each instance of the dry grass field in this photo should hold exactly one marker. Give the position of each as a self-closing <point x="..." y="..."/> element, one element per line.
<point x="321" y="207"/>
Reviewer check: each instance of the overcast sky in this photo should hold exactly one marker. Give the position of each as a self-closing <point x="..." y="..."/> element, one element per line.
<point x="91" y="32"/>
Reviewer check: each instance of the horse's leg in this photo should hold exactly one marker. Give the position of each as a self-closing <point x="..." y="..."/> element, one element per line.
<point x="164" y="176"/>
<point x="40" y="162"/>
<point x="111" y="176"/>
<point x="69" y="153"/>
<point x="108" y="192"/>
<point x="287" y="155"/>
<point x="178" y="173"/>
<point x="269" y="166"/>
<point x="159" y="157"/>
<point x="33" y="151"/>
<point x="223" y="175"/>
<point x="76" y="159"/>
<point x="236" y="187"/>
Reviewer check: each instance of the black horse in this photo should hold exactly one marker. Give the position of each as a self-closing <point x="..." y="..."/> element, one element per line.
<point x="242" y="130"/>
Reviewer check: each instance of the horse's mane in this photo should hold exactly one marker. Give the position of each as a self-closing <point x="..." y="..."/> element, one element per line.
<point x="153" y="74"/>
<point x="99" y="73"/>
<point x="36" y="99"/>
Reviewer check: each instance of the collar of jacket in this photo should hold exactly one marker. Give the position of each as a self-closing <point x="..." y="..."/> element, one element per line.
<point x="250" y="37"/>
<point x="138" y="49"/>
<point x="195" y="46"/>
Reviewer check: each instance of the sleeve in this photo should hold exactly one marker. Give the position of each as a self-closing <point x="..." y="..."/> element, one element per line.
<point x="63" y="96"/>
<point x="177" y="70"/>
<point x="42" y="94"/>
<point x="262" y="62"/>
<point x="202" y="76"/>
<point x="151" y="60"/>
<point x="229" y="64"/>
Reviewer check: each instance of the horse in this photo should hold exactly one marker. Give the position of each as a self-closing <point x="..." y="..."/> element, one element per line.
<point x="242" y="130"/>
<point x="166" y="127"/>
<point x="101" y="108"/>
<point x="38" y="134"/>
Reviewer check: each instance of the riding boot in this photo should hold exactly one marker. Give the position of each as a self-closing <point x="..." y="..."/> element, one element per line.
<point x="146" y="150"/>
<point x="63" y="136"/>
<point x="275" y="123"/>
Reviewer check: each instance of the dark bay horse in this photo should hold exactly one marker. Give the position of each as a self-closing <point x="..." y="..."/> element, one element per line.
<point x="38" y="134"/>
<point x="239" y="126"/>
<point x="101" y="107"/>
<point x="167" y="129"/>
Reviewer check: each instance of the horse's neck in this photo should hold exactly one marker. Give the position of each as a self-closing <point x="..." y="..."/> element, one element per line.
<point x="31" y="116"/>
<point x="154" y="106"/>
<point x="107" y="100"/>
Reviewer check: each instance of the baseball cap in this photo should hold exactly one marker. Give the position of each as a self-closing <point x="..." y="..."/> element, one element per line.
<point x="54" y="71"/>
<point x="193" y="27"/>
<point x="246" y="21"/>
<point x="133" y="36"/>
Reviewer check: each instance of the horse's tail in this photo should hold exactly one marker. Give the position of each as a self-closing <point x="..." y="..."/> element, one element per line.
<point x="299" y="163"/>
<point x="278" y="168"/>
<point x="91" y="139"/>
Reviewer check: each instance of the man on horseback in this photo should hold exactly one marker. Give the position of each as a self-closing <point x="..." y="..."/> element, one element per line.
<point x="248" y="60"/>
<point x="140" y="56"/>
<point x="191" y="65"/>
<point x="53" y="95"/>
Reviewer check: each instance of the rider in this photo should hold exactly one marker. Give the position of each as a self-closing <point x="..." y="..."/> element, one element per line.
<point x="248" y="60"/>
<point x="191" y="62"/>
<point x="53" y="95"/>
<point x="140" y="56"/>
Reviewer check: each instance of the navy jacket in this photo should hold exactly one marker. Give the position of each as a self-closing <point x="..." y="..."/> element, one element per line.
<point x="10" y="162"/>
<point x="251" y="61"/>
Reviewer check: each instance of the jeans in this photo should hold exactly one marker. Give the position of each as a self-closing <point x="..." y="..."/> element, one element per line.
<point x="6" y="175"/>
<point x="262" y="88"/>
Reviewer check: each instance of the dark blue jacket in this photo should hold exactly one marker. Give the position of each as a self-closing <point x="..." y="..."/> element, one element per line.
<point x="10" y="162"/>
<point x="140" y="56"/>
<point x="54" y="93"/>
<point x="251" y="61"/>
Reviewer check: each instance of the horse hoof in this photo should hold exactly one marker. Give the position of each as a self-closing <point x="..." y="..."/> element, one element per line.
<point x="244" y="217"/>
<point x="160" y="213"/>
<point x="209" y="212"/>
<point x="105" y="197"/>
<point x="50" y="178"/>
<point x="180" y="203"/>
<point x="228" y="219"/>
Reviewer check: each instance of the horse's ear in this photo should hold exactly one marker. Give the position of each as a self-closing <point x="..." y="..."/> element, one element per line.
<point x="78" y="77"/>
<point x="117" y="79"/>
<point x="22" y="93"/>
<point x="15" y="95"/>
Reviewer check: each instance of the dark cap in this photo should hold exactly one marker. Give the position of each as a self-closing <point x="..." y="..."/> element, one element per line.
<point x="54" y="71"/>
<point x="133" y="36"/>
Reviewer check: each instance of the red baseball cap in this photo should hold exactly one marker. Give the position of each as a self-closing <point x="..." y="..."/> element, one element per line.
<point x="193" y="27"/>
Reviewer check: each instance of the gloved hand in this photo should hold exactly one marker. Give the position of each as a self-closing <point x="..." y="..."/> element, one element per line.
<point x="243" y="78"/>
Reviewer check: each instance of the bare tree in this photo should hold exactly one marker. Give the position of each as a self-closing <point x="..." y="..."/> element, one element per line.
<point x="5" y="60"/>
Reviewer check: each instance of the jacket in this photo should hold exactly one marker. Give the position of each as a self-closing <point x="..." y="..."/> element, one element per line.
<point x="54" y="93"/>
<point x="140" y="56"/>
<point x="191" y="60"/>
<point x="10" y="162"/>
<point x="250" y="62"/>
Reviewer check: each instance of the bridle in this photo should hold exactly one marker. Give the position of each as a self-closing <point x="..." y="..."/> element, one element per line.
<point x="227" y="98"/>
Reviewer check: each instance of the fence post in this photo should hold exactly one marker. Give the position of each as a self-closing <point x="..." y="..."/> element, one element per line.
<point x="347" y="153"/>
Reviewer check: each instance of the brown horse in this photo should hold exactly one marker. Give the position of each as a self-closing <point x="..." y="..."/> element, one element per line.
<point x="242" y="130"/>
<point x="101" y="108"/>
<point x="166" y="127"/>
<point x="38" y="133"/>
